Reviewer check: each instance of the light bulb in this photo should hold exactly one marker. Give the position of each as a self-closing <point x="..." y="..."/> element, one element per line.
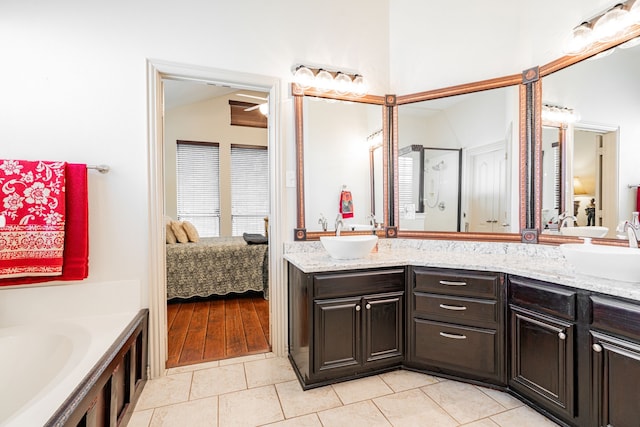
<point x="323" y="81"/>
<point x="342" y="83"/>
<point x="303" y="77"/>
<point x="580" y="38"/>
<point x="359" y="87"/>
<point x="264" y="109"/>
<point x="634" y="13"/>
<point x="612" y="24"/>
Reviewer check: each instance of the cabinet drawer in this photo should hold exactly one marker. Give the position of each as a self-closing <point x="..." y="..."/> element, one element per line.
<point x="458" y="348"/>
<point x="455" y="309"/>
<point x="343" y="284"/>
<point x="617" y="316"/>
<point x="456" y="282"/>
<point x="545" y="298"/>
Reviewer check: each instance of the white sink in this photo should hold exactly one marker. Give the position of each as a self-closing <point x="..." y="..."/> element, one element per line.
<point x="594" y="231"/>
<point x="609" y="262"/>
<point x="349" y="247"/>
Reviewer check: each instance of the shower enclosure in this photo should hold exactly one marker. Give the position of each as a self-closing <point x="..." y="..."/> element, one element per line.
<point x="430" y="188"/>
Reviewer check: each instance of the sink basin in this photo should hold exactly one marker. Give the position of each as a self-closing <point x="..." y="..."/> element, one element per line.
<point x="349" y="247"/>
<point x="609" y="262"/>
<point x="594" y="231"/>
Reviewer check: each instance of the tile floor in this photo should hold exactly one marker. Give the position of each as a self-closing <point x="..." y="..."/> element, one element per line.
<point x="262" y="390"/>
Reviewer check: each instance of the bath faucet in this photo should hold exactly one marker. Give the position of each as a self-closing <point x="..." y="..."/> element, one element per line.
<point x="372" y="220"/>
<point x="633" y="231"/>
<point x="339" y="224"/>
<point x="323" y="222"/>
<point x="563" y="220"/>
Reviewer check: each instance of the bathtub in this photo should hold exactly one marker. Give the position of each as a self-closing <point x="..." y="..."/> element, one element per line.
<point x="42" y="364"/>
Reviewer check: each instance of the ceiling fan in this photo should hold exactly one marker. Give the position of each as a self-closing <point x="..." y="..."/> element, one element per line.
<point x="263" y="106"/>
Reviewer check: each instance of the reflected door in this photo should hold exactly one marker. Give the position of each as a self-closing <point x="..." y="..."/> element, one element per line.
<point x="488" y="207"/>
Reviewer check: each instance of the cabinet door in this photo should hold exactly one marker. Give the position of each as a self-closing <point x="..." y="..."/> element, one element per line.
<point x="384" y="328"/>
<point x="616" y="375"/>
<point x="336" y="333"/>
<point x="542" y="359"/>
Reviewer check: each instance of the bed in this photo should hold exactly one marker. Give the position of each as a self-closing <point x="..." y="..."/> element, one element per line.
<point x="216" y="266"/>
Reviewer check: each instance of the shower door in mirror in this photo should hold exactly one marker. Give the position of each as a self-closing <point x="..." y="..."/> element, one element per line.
<point x="429" y="188"/>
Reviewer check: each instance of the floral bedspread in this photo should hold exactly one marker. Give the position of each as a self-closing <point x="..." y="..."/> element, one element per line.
<point x="216" y="266"/>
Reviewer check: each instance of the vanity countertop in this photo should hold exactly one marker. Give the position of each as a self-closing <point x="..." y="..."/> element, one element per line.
<point x="540" y="262"/>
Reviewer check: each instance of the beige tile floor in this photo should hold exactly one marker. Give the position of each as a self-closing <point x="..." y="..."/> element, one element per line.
<point x="262" y="390"/>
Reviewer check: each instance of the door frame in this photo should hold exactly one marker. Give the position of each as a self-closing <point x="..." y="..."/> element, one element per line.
<point x="157" y="70"/>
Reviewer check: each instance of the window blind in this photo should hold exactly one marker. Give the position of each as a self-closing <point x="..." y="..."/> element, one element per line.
<point x="405" y="182"/>
<point x="249" y="189"/>
<point x="198" y="167"/>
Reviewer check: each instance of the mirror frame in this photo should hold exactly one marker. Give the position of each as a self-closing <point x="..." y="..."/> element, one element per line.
<point x="386" y="102"/>
<point x="524" y="82"/>
<point x="545" y="70"/>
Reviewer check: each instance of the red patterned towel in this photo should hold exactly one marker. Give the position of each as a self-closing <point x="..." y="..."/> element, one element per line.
<point x="76" y="248"/>
<point x="33" y="204"/>
<point x="346" y="204"/>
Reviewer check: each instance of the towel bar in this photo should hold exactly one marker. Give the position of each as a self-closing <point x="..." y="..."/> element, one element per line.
<point x="99" y="168"/>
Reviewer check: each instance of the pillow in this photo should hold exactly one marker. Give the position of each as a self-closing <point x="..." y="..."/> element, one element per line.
<point x="181" y="236"/>
<point x="171" y="237"/>
<point x="191" y="231"/>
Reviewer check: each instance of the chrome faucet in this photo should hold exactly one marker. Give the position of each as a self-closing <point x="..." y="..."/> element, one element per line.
<point x="323" y="222"/>
<point x="632" y="228"/>
<point x="339" y="224"/>
<point x="563" y="220"/>
<point x="372" y="220"/>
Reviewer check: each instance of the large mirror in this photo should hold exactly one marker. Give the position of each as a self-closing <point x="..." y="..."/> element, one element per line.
<point x="459" y="160"/>
<point x="341" y="151"/>
<point x="590" y="169"/>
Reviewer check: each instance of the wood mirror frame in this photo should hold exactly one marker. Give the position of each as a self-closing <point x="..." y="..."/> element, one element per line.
<point x="525" y="83"/>
<point x="386" y="102"/>
<point x="536" y="111"/>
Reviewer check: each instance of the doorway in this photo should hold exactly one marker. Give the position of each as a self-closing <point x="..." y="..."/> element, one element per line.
<point x="157" y="289"/>
<point x="216" y="178"/>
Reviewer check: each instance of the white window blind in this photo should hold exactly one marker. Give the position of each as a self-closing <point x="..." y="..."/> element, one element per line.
<point x="198" y="169"/>
<point x="249" y="189"/>
<point x="405" y="182"/>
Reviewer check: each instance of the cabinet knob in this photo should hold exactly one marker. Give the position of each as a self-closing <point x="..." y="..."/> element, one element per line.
<point x="597" y="348"/>
<point x="357" y="308"/>
<point x="562" y="335"/>
<point x="368" y="306"/>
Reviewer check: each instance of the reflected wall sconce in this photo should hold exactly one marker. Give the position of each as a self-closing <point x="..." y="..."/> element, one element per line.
<point x="556" y="114"/>
<point x="323" y="80"/>
<point x="608" y="26"/>
<point x="375" y="139"/>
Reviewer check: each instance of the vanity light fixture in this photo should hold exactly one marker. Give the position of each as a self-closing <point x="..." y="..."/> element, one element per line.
<point x="603" y="28"/>
<point x="323" y="80"/>
<point x="555" y="114"/>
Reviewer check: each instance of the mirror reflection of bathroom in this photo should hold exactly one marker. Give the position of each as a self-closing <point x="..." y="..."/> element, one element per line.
<point x="430" y="188"/>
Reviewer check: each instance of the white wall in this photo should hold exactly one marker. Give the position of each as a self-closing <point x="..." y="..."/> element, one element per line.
<point x="74" y="87"/>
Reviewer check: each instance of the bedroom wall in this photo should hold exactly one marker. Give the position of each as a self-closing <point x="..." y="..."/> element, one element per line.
<point x="207" y="121"/>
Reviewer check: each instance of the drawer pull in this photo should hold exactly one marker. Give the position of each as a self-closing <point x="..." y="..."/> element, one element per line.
<point x="450" y="283"/>
<point x="368" y="306"/>
<point x="357" y="308"/>
<point x="453" y="336"/>
<point x="597" y="348"/>
<point x="453" y="307"/>
<point x="562" y="335"/>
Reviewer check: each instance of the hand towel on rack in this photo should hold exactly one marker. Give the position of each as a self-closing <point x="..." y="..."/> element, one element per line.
<point x="76" y="249"/>
<point x="346" y="204"/>
<point x="33" y="204"/>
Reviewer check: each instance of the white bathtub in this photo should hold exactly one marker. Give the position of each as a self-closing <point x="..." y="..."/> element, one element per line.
<point x="41" y="364"/>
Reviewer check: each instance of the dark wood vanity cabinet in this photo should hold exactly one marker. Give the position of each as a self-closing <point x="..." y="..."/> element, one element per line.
<point x="456" y="323"/>
<point x="615" y="362"/>
<point x="345" y="324"/>
<point x="542" y="342"/>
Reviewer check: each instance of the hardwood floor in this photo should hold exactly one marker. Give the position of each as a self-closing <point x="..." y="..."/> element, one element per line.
<point x="217" y="328"/>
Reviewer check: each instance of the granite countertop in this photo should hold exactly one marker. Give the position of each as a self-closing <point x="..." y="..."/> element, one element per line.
<point x="540" y="262"/>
